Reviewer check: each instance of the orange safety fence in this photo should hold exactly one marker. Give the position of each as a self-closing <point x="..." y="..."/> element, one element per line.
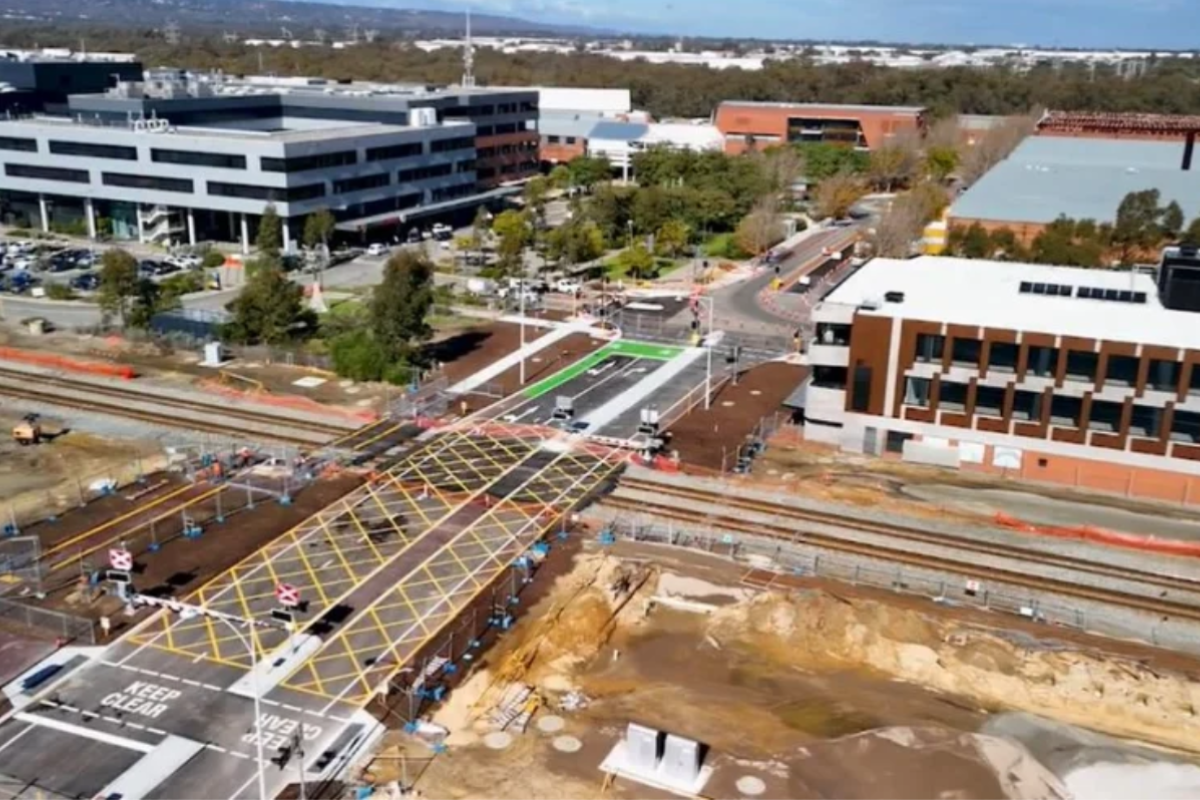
<point x="295" y="403"/>
<point x="52" y="361"/>
<point x="1102" y="536"/>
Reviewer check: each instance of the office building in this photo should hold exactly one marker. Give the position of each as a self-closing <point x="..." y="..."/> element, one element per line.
<point x="42" y="80"/>
<point x="750" y="125"/>
<point x="1082" y="178"/>
<point x="188" y="158"/>
<point x="1059" y="374"/>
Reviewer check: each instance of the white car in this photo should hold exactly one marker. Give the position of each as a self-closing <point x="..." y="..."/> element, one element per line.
<point x="568" y="286"/>
<point x="376" y="250"/>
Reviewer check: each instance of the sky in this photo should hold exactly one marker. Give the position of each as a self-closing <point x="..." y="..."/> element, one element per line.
<point x="1066" y="23"/>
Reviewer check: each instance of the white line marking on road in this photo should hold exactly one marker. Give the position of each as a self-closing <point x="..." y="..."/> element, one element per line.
<point x="210" y="686"/>
<point x="13" y="740"/>
<point x="216" y="747"/>
<point x="159" y="731"/>
<point x="290" y="707"/>
<point x="237" y="794"/>
<point x="190" y="682"/>
<point x="86" y="733"/>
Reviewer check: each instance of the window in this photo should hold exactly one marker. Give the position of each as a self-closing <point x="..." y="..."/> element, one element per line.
<point x="860" y="397"/>
<point x="21" y="145"/>
<point x="1066" y="412"/>
<point x="464" y="166"/>
<point x="1185" y="427"/>
<point x="553" y="139"/>
<point x="916" y="392"/>
<point x="952" y="396"/>
<point x="1163" y="376"/>
<point x="452" y="192"/>
<point x="965" y="352"/>
<point x="146" y="182"/>
<point x="46" y="173"/>
<point x="446" y="145"/>
<point x="93" y="150"/>
<point x="1043" y="361"/>
<point x="830" y="377"/>
<point x="1002" y="357"/>
<point x="1194" y="381"/>
<point x="394" y="151"/>
<point x="424" y="173"/>
<point x="829" y="333"/>
<point x="930" y="347"/>
<point x="1027" y="406"/>
<point x="1105" y="416"/>
<point x="507" y="127"/>
<point x="361" y="184"/>
<point x="217" y="160"/>
<point x="1145" y="422"/>
<point x="989" y="401"/>
<point x="571" y="140"/>
<point x="305" y="163"/>
<point x="242" y="191"/>
<point x="1081" y="366"/>
<point x="1122" y="370"/>
<point x="376" y="207"/>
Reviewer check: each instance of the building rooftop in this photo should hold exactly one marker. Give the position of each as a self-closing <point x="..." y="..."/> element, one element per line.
<point x="913" y="110"/>
<point x="1117" y="123"/>
<point x="619" y="131"/>
<point x="1047" y="177"/>
<point x="567" y="123"/>
<point x="989" y="294"/>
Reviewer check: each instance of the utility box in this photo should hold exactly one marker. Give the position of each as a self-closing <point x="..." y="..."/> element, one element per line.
<point x="680" y="763"/>
<point x="642" y="747"/>
<point x="214" y="355"/>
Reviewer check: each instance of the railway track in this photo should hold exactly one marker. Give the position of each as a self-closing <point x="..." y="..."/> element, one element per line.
<point x="111" y="400"/>
<point x="795" y="534"/>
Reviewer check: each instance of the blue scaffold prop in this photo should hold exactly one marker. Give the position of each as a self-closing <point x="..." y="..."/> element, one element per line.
<point x="11" y="529"/>
<point x="607" y="536"/>
<point x="192" y="529"/>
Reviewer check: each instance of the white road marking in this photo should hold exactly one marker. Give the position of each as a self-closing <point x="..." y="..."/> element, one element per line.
<point x="13" y="740"/>
<point x="237" y="794"/>
<point x="86" y="733"/>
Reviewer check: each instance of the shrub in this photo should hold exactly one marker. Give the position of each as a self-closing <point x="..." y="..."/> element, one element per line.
<point x="59" y="291"/>
<point x="358" y="356"/>
<point x="213" y="259"/>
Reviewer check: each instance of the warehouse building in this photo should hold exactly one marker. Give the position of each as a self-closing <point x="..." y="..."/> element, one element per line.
<point x="185" y="159"/>
<point x="750" y="125"/>
<point x="1047" y="177"/>
<point x="1075" y="376"/>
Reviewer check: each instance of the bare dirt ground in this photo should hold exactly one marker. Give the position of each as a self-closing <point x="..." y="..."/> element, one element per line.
<point x="470" y="350"/>
<point x="39" y="480"/>
<point x="826" y="691"/>
<point x="704" y="438"/>
<point x="824" y="473"/>
<point x="545" y="363"/>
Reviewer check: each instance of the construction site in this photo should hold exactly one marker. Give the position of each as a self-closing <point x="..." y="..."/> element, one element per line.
<point x="571" y="563"/>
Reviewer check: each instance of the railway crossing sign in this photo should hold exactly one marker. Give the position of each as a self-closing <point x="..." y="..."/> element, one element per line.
<point x="287" y="595"/>
<point x="120" y="559"/>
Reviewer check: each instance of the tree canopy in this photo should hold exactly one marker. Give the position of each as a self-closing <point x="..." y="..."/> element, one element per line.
<point x="270" y="309"/>
<point x="118" y="284"/>
<point x="400" y="306"/>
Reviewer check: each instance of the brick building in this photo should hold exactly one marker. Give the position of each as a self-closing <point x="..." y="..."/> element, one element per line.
<point x="1084" y="377"/>
<point x="1110" y="125"/>
<point x="746" y="125"/>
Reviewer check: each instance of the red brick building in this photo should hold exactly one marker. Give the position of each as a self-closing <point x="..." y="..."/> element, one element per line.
<point x="747" y="125"/>
<point x="1108" y="125"/>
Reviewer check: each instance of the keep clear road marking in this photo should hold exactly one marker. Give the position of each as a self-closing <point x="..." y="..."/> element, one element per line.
<point x="210" y="687"/>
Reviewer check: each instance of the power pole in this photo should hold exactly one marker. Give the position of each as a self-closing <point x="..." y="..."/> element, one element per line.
<point x="468" y="78"/>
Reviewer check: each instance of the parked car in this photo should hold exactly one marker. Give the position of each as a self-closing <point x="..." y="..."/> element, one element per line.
<point x="21" y="282"/>
<point x="377" y="250"/>
<point x="442" y="232"/>
<point x="414" y="236"/>
<point x="568" y="286"/>
<point x="86" y="282"/>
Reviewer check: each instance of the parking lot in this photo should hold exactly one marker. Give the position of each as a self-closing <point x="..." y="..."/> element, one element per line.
<point x="27" y="266"/>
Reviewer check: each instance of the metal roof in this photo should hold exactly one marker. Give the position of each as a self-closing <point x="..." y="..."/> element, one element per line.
<point x="824" y="106"/>
<point x="1047" y="177"/>
<point x="619" y="131"/>
<point x="568" y="123"/>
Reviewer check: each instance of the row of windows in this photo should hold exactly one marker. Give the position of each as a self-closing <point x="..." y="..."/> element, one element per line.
<point x="424" y="173"/>
<point x="294" y="194"/>
<point x="507" y="149"/>
<point x="446" y="145"/>
<point x="394" y="151"/>
<point x="146" y="182"/>
<point x="341" y="158"/>
<point x="452" y="192"/>
<point x="1043" y="362"/>
<point x="198" y="159"/>
<point x="560" y="140"/>
<point x="376" y="207"/>
<point x="112" y="151"/>
<point x="18" y="144"/>
<point x="1146" y="422"/>
<point x="46" y="173"/>
<point x="362" y="184"/>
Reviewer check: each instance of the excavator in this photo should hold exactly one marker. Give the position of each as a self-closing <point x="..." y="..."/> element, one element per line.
<point x="28" y="431"/>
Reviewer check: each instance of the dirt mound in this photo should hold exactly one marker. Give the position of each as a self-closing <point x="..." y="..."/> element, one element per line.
<point x="1103" y="692"/>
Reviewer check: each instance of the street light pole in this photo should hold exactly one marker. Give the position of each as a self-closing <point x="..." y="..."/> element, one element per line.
<point x="521" y="291"/>
<point x="258" y="739"/>
<point x="708" y="365"/>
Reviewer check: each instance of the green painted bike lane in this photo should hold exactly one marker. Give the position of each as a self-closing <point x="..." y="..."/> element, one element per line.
<point x="621" y="347"/>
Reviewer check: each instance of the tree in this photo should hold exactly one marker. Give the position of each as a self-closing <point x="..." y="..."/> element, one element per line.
<point x="900" y="226"/>
<point x="823" y="160"/>
<point x="270" y="235"/>
<point x="400" y="306"/>
<point x="576" y="242"/>
<point x="118" y="283"/>
<point x="970" y="242"/>
<point x="587" y="171"/>
<point x="1138" y="225"/>
<point x="560" y="177"/>
<point x="761" y="228"/>
<point x="1172" y="220"/>
<point x="635" y="261"/>
<point x="514" y="235"/>
<point x="940" y="163"/>
<point x="535" y="195"/>
<point x="1192" y="234"/>
<point x="672" y="238"/>
<point x="895" y="162"/>
<point x="995" y="145"/>
<point x="270" y="309"/>
<point x="835" y="196"/>
<point x="318" y="228"/>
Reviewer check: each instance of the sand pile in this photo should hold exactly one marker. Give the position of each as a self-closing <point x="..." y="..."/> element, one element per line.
<point x="1102" y="692"/>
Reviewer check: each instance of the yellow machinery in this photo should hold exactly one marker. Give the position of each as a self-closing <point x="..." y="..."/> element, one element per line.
<point x="28" y="431"/>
